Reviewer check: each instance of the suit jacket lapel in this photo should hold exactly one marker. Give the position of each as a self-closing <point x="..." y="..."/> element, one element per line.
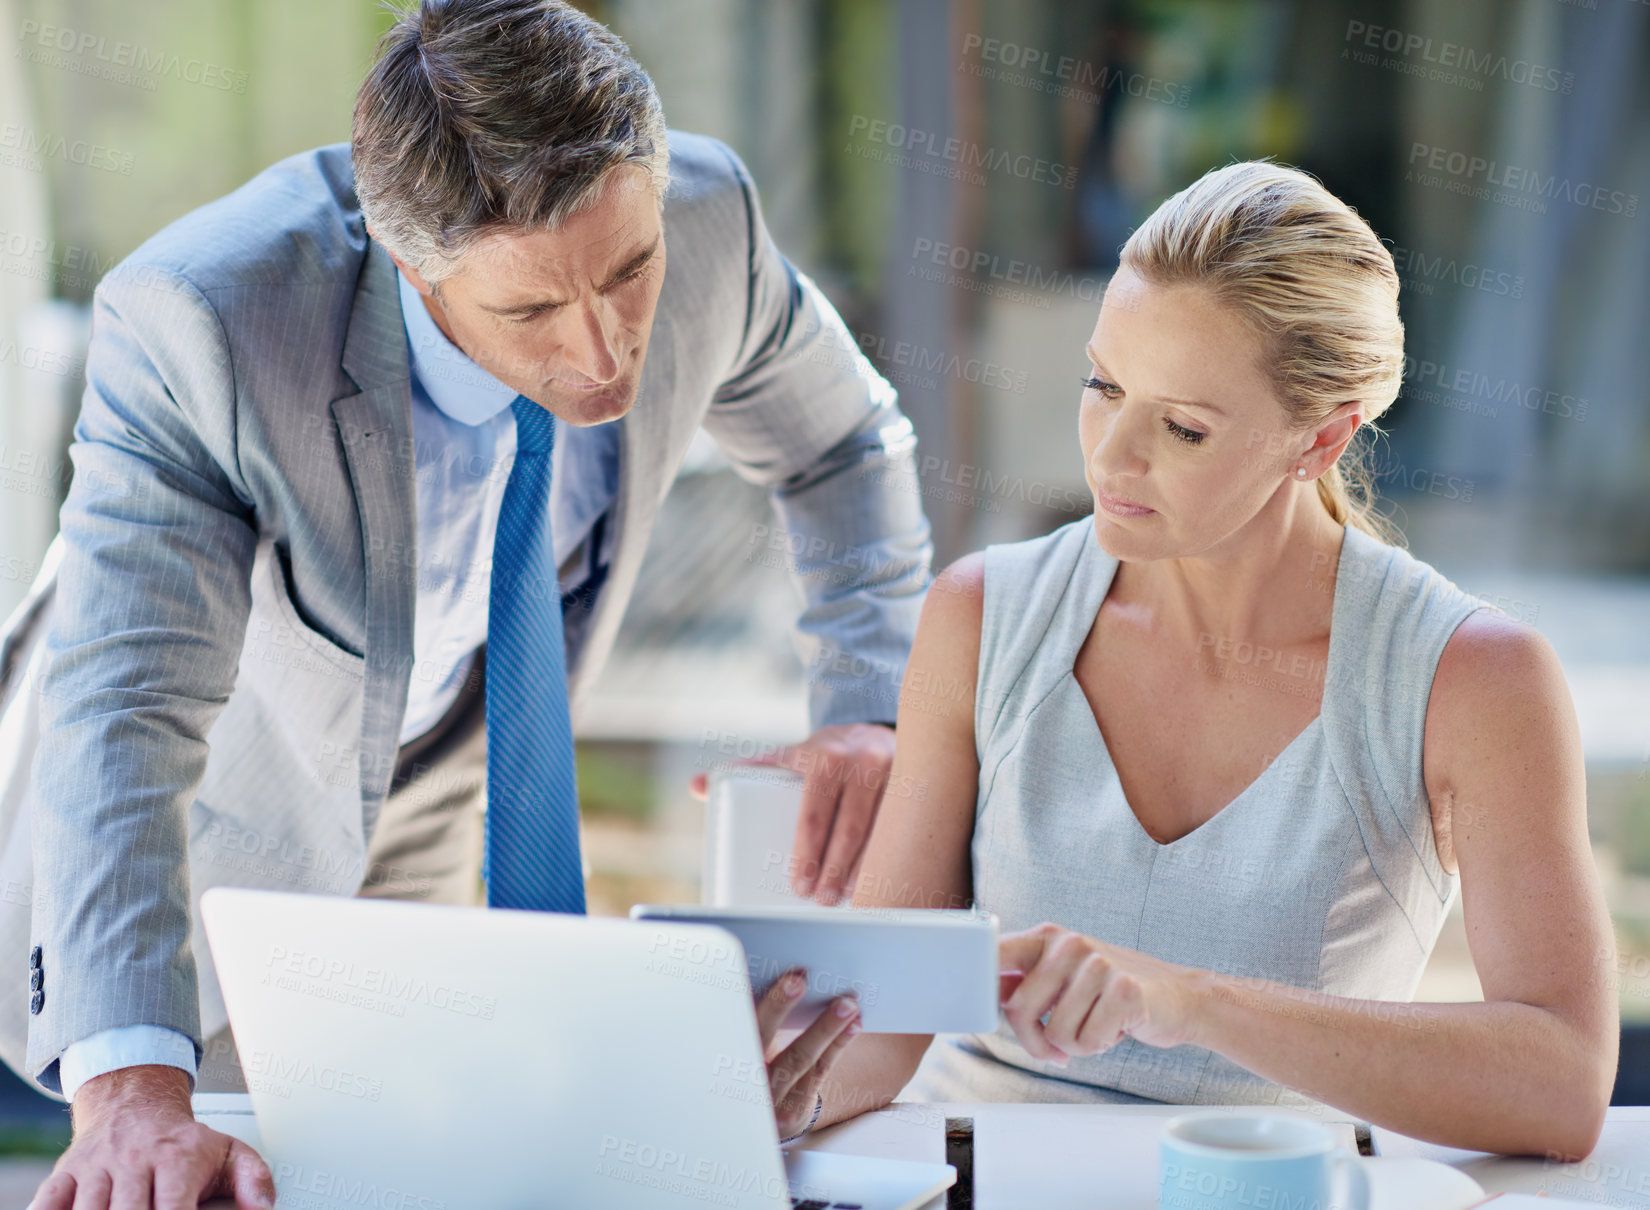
<point x="375" y="426"/>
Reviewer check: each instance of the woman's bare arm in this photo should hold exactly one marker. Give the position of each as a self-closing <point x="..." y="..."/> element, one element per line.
<point x="918" y="852"/>
<point x="1531" y="1068"/>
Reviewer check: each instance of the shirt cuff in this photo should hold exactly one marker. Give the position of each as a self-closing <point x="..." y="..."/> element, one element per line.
<point x="126" y="1046"/>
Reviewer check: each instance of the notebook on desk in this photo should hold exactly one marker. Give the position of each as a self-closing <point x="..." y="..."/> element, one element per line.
<point x="468" y="1057"/>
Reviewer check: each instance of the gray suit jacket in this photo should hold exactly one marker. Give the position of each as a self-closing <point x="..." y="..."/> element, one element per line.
<point x="207" y="685"/>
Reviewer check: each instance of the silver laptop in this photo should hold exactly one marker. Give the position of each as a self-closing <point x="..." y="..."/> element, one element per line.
<point x="442" y="1058"/>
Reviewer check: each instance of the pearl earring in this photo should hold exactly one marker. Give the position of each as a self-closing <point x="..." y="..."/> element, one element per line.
<point x="1300" y="472"/>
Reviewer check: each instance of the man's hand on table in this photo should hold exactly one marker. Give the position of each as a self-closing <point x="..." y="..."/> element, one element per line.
<point x="845" y="771"/>
<point x="137" y="1145"/>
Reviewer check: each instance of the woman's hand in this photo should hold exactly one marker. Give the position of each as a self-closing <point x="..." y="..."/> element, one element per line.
<point x="1092" y="994"/>
<point x="796" y="1072"/>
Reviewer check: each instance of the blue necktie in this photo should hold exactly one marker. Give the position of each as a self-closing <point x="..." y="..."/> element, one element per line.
<point x="532" y="852"/>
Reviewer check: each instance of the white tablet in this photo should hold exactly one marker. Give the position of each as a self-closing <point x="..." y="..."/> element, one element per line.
<point x="915" y="970"/>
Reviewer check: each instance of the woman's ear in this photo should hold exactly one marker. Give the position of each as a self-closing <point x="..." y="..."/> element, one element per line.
<point x="1337" y="432"/>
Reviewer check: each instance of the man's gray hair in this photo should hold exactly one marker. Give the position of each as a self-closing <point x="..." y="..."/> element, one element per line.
<point x="482" y="116"/>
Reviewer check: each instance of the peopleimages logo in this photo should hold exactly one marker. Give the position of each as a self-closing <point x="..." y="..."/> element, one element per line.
<point x="624" y="1158"/>
<point x="1464" y="389"/>
<point x="29" y="145"/>
<point x="44" y="251"/>
<point x="1420" y="272"/>
<point x="278" y="1074"/>
<point x="1443" y="59"/>
<point x="109" y="58"/>
<point x="913" y="147"/>
<point x="1064" y="76"/>
<point x="337" y="1188"/>
<point x="33" y="357"/>
<point x="1529" y="188"/>
<point x="377" y="981"/>
<point x="977" y="262"/>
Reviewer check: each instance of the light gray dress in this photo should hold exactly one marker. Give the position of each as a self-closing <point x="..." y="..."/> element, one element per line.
<point x="1321" y="874"/>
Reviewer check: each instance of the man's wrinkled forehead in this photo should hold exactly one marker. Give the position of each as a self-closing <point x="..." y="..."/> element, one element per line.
<point x="592" y="246"/>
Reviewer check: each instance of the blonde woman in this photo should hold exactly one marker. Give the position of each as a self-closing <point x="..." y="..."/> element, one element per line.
<point x="1231" y="751"/>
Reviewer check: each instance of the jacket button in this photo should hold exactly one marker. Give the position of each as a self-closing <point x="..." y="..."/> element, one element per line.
<point x="34" y="958"/>
<point x="37" y="979"/>
<point x="36" y="1004"/>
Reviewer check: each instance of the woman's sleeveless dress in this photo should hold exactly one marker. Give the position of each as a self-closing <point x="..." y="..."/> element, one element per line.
<point x="1321" y="874"/>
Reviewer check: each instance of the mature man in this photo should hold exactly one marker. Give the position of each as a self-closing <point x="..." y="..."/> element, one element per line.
<point x="368" y="458"/>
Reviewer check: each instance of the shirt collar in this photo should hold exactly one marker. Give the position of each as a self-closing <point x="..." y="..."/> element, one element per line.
<point x="455" y="384"/>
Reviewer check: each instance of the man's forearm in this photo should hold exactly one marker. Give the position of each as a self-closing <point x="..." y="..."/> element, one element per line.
<point x="803" y="413"/>
<point x="151" y="607"/>
<point x="159" y="1088"/>
<point x="860" y="548"/>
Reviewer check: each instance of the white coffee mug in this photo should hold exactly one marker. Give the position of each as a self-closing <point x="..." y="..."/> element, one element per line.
<point x="1221" y="1160"/>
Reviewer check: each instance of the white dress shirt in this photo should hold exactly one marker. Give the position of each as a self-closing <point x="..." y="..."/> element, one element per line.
<point x="464" y="444"/>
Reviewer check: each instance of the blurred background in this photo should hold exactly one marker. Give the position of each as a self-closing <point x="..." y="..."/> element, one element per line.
<point x="957" y="178"/>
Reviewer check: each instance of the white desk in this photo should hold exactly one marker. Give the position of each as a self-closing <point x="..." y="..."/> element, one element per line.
<point x="900" y="1132"/>
<point x="1062" y="1157"/>
<point x="1616" y="1174"/>
<point x="1104" y="1157"/>
<point x="1100" y="1157"/>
